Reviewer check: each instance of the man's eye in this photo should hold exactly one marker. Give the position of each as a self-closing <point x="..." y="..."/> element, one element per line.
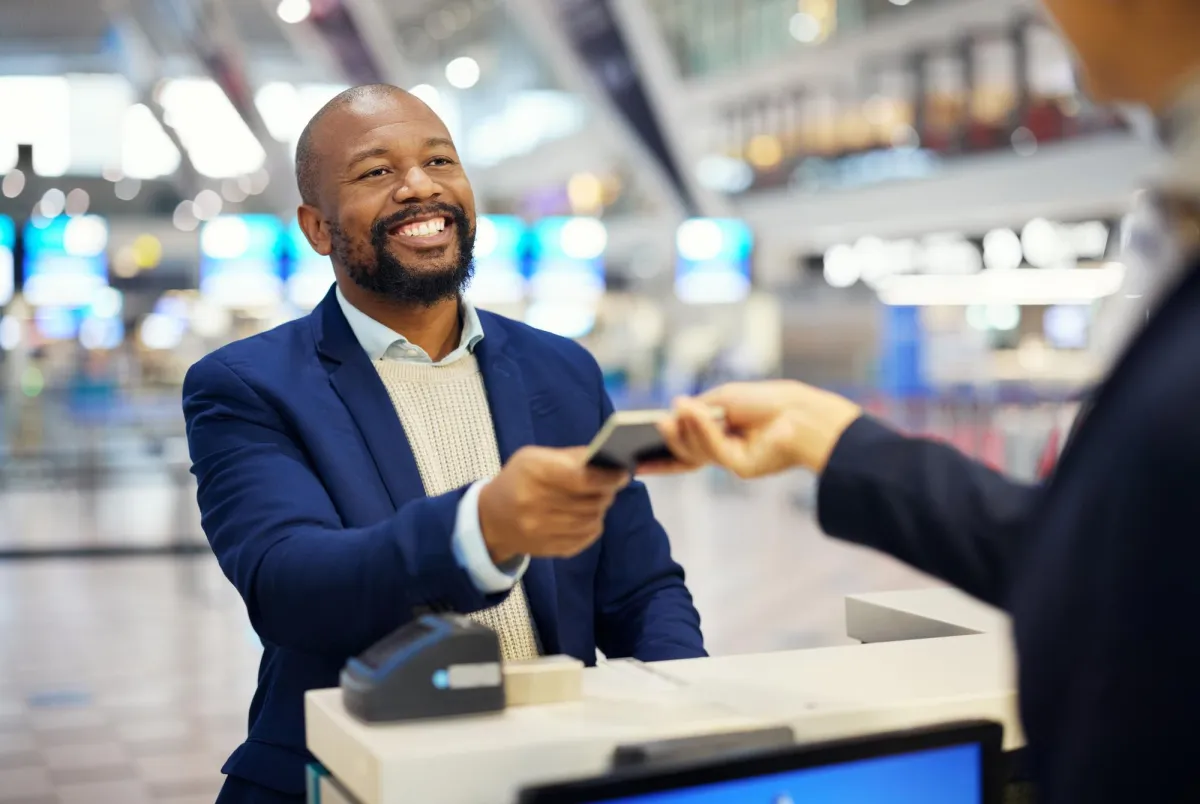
<point x="440" y="161"/>
<point x="379" y="171"/>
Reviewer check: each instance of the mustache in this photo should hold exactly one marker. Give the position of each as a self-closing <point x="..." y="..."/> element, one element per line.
<point x="380" y="228"/>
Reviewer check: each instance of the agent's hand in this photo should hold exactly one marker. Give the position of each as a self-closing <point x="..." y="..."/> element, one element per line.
<point x="769" y="427"/>
<point x="546" y="502"/>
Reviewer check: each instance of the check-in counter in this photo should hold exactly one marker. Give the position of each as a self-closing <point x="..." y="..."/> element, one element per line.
<point x="904" y="682"/>
<point x="920" y="614"/>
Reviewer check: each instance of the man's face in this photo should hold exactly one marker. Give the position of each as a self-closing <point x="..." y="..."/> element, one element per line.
<point x="396" y="208"/>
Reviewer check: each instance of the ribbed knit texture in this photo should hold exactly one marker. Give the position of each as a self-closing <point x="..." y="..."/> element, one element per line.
<point x="445" y="413"/>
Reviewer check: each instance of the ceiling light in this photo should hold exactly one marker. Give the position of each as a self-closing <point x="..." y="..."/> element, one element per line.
<point x="207" y="205"/>
<point x="463" y="72"/>
<point x="185" y="218"/>
<point x="77" y="202"/>
<point x="764" y="151"/>
<point x="127" y="189"/>
<point x="805" y="28"/>
<point x="13" y="184"/>
<point x="294" y="11"/>
<point x="53" y="203"/>
<point x="426" y="94"/>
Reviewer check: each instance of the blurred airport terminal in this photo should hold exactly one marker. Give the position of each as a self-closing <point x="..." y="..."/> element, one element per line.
<point x="908" y="201"/>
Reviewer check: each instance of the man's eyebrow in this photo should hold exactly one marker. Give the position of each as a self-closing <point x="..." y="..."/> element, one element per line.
<point x="370" y="153"/>
<point x="439" y="142"/>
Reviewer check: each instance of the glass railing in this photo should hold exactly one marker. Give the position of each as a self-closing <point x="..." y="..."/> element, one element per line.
<point x="709" y="37"/>
<point x="851" y="151"/>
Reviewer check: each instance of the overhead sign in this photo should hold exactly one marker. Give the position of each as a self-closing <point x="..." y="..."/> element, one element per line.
<point x="8" y="272"/>
<point x="66" y="261"/>
<point x="310" y="275"/>
<point x="241" y="260"/>
<point x="499" y="257"/>
<point x="567" y="259"/>
<point x="712" y="263"/>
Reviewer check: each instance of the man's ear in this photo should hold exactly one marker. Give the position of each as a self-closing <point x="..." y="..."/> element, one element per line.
<point x="315" y="228"/>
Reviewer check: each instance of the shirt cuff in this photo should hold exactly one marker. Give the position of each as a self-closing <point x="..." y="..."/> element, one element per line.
<point x="471" y="553"/>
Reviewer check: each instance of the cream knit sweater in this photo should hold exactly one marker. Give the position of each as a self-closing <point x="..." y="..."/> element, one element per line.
<point x="445" y="413"/>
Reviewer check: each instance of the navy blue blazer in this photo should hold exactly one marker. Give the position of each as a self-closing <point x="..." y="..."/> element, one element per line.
<point x="1100" y="567"/>
<point x="311" y="499"/>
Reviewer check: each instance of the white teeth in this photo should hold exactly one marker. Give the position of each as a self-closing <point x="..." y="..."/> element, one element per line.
<point x="424" y="228"/>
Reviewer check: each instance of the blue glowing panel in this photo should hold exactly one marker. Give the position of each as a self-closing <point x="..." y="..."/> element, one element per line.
<point x="311" y="275"/>
<point x="241" y="260"/>
<point x="58" y="323"/>
<point x="712" y="263"/>
<point x="8" y="273"/>
<point x="1067" y="326"/>
<point x="66" y="261"/>
<point x="938" y="776"/>
<point x="499" y="275"/>
<point x="567" y="259"/>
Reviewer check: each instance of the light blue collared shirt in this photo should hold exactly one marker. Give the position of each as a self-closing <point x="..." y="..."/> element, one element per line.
<point x="382" y="343"/>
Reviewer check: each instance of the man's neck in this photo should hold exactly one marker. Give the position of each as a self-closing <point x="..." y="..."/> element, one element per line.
<point x="436" y="329"/>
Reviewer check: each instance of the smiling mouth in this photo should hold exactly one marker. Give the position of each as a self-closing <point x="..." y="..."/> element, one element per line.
<point x="426" y="228"/>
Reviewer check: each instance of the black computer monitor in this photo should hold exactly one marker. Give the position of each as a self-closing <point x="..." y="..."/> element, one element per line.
<point x="952" y="764"/>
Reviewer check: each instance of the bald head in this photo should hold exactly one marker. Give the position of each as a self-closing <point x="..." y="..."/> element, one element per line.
<point x="309" y="145"/>
<point x="386" y="197"/>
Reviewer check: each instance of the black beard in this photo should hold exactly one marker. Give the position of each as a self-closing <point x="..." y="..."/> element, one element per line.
<point x="373" y="267"/>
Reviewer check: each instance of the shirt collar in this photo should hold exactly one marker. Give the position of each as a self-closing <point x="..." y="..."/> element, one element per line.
<point x="380" y="341"/>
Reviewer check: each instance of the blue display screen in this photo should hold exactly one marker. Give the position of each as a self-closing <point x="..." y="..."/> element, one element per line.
<point x="311" y="274"/>
<point x="8" y="273"/>
<point x="241" y="260"/>
<point x="937" y="776"/>
<point x="567" y="259"/>
<point x="499" y="272"/>
<point x="66" y="261"/>
<point x="713" y="260"/>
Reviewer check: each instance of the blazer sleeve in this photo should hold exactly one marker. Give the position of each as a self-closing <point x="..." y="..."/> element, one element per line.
<point x="309" y="583"/>
<point x="926" y="504"/>
<point x="643" y="606"/>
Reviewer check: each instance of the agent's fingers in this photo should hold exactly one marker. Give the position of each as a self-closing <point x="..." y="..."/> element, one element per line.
<point x="673" y="436"/>
<point x="703" y="435"/>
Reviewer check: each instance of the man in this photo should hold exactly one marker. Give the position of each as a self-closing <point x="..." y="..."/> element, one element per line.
<point x="1098" y="568"/>
<point x="349" y="463"/>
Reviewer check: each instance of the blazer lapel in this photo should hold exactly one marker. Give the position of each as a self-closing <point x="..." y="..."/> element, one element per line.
<point x="357" y="383"/>
<point x="508" y="399"/>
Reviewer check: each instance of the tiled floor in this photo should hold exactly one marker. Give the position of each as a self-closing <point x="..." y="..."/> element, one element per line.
<point x="127" y="680"/>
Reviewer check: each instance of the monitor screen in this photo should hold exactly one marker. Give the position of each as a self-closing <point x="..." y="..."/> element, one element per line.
<point x="499" y="269"/>
<point x="241" y="260"/>
<point x="311" y="274"/>
<point x="66" y="261"/>
<point x="937" y="776"/>
<point x="567" y="260"/>
<point x="713" y="260"/>
<point x="957" y="763"/>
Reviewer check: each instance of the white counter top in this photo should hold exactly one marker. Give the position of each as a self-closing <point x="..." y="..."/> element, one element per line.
<point x="920" y="614"/>
<point x="825" y="693"/>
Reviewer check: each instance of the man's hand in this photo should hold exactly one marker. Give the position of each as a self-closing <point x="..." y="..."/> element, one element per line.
<point x="546" y="502"/>
<point x="769" y="427"/>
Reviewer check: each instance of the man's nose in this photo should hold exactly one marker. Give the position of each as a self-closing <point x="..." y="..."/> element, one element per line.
<point x="417" y="186"/>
